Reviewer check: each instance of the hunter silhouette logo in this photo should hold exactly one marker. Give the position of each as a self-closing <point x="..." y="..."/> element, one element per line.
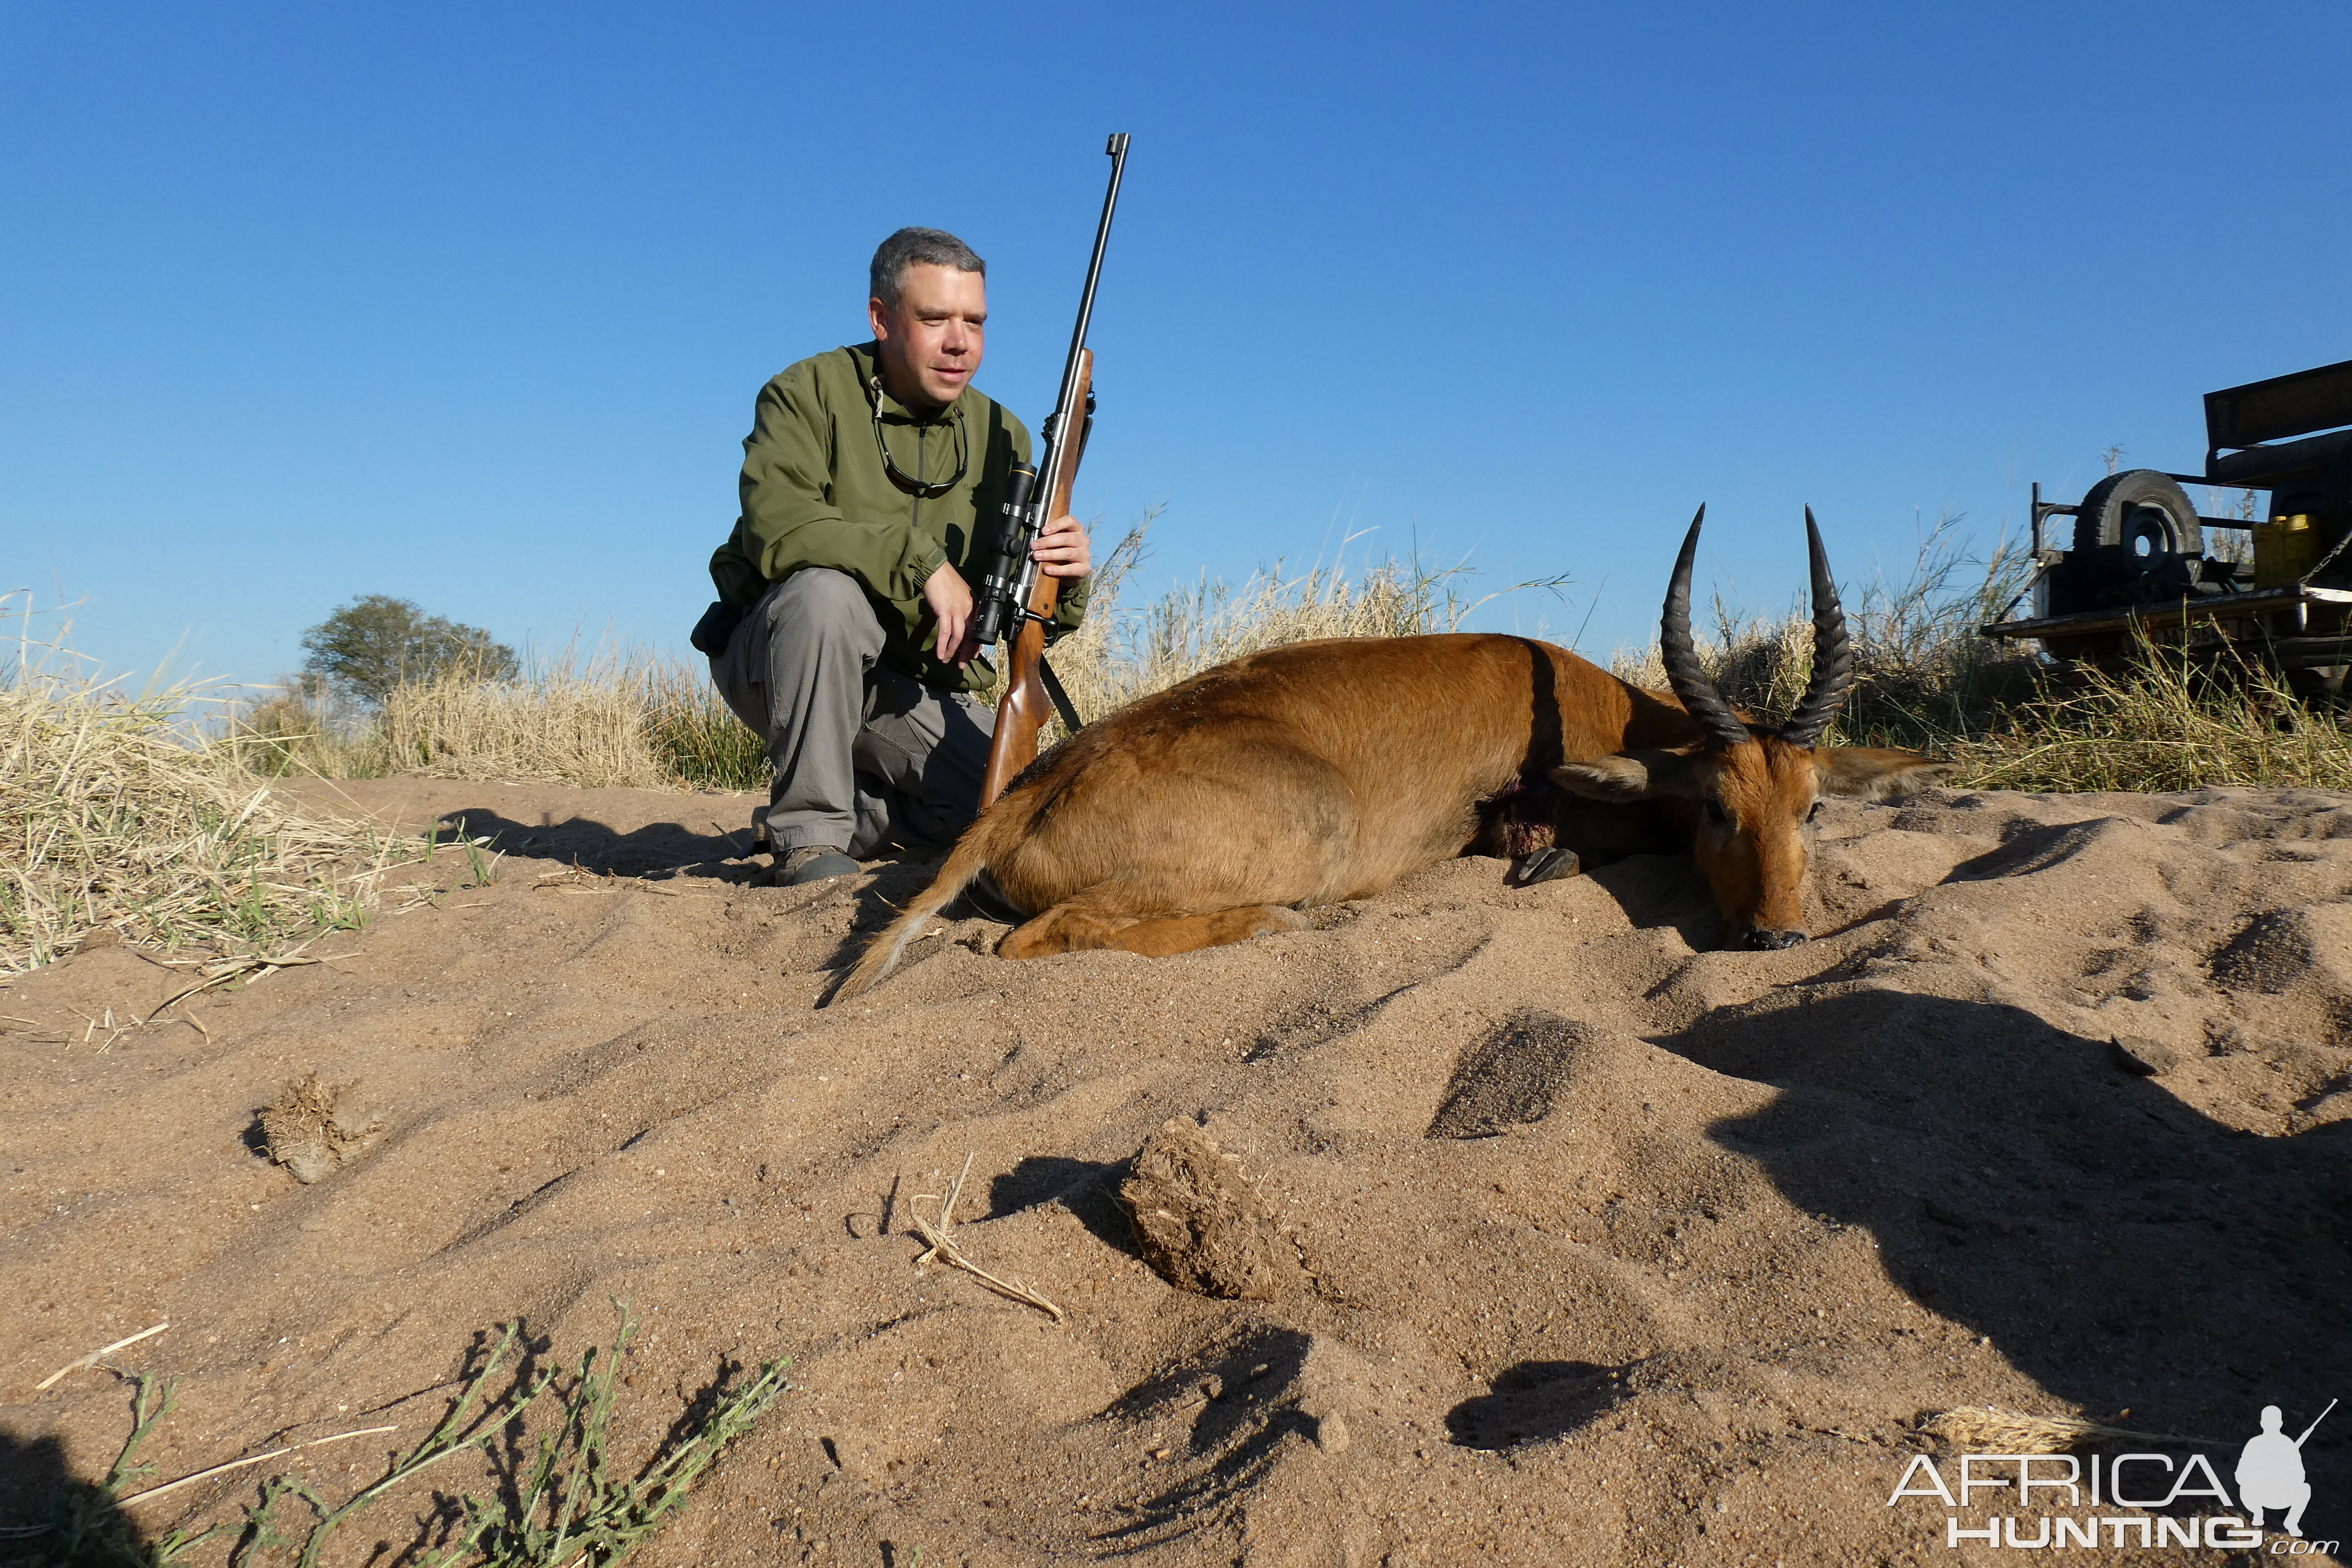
<point x="2161" y="1491"/>
<point x="2270" y="1471"/>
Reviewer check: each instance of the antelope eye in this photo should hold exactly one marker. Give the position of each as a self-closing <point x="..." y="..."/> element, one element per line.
<point x="1716" y="814"/>
<point x="1814" y="813"/>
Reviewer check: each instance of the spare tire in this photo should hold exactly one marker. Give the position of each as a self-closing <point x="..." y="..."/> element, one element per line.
<point x="2135" y="530"/>
<point x="2143" y="511"/>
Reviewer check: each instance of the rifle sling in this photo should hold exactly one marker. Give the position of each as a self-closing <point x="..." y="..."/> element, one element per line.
<point x="1062" y="704"/>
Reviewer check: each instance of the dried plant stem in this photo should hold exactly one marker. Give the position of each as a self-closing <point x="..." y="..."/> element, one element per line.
<point x="229" y="969"/>
<point x="94" y="1357"/>
<point x="241" y="1463"/>
<point x="939" y="1239"/>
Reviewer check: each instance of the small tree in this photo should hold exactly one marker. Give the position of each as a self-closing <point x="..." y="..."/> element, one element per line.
<point x="375" y="642"/>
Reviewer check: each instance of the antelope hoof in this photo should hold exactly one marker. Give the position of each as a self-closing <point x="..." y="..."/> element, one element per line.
<point x="1774" y="941"/>
<point x="1544" y="866"/>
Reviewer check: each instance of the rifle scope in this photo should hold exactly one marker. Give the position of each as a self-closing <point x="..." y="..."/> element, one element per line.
<point x="998" y="589"/>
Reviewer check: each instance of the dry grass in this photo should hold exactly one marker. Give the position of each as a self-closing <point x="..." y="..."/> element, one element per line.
<point x="1988" y="1429"/>
<point x="632" y="718"/>
<point x="302" y="727"/>
<point x="2166" y="723"/>
<point x="112" y="817"/>
<point x="581" y="722"/>
<point x="1122" y="653"/>
<point x="1923" y="677"/>
<point x="1926" y="681"/>
<point x="614" y="715"/>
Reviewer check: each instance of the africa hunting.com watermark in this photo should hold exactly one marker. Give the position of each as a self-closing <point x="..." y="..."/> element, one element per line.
<point x="2269" y="1476"/>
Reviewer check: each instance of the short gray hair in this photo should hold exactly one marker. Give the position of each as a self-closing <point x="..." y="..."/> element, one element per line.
<point x="909" y="246"/>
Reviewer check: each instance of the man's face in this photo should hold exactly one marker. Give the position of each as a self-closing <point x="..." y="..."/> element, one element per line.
<point x="930" y="337"/>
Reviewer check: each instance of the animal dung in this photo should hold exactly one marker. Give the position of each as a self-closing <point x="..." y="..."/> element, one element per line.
<point x="2272" y="953"/>
<point x="2138" y="1054"/>
<point x="1511" y="1077"/>
<point x="307" y="1134"/>
<point x="1198" y="1221"/>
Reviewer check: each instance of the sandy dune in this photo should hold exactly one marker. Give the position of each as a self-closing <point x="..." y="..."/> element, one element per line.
<point x="1594" y="1246"/>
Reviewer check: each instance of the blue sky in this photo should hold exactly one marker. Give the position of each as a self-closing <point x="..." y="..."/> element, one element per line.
<point x="468" y="304"/>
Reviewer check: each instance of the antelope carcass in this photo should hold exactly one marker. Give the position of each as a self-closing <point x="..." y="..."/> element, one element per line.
<point x="1321" y="772"/>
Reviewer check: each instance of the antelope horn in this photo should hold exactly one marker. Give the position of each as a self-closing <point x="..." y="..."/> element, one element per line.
<point x="1724" y="729"/>
<point x="1832" y="652"/>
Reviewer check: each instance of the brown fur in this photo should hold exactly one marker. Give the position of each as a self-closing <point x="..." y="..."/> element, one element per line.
<point x="1322" y="771"/>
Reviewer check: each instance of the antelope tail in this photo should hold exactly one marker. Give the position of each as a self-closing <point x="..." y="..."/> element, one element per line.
<point x="1000" y="828"/>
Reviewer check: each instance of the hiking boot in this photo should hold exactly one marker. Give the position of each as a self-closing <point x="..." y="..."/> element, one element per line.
<point x="812" y="863"/>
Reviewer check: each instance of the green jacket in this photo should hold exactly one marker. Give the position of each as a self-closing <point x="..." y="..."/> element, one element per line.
<point x="815" y="493"/>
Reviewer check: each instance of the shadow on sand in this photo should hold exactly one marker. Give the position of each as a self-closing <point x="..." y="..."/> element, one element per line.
<point x="656" y="849"/>
<point x="2117" y="1247"/>
<point x="50" y="1516"/>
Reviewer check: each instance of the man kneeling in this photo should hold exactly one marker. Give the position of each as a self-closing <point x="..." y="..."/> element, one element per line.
<point x="873" y="478"/>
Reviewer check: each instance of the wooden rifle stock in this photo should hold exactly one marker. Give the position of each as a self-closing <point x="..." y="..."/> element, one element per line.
<point x="1021" y="711"/>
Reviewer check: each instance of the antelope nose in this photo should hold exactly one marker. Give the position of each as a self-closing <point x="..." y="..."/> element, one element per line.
<point x="1764" y="941"/>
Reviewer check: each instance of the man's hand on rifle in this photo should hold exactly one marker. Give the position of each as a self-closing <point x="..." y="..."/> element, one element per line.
<point x="949" y="598"/>
<point x="1061" y="549"/>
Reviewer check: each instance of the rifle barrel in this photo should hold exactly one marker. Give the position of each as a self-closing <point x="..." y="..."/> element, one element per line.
<point x="1011" y="577"/>
<point x="2315" y="1424"/>
<point x="1066" y="416"/>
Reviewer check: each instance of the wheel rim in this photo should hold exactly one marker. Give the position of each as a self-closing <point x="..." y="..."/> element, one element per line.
<point x="2149" y="537"/>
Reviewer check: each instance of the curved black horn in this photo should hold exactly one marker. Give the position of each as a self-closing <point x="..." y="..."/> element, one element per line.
<point x="1832" y="652"/>
<point x="1700" y="699"/>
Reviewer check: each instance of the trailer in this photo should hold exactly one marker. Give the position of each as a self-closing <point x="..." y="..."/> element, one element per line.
<point x="2136" y="566"/>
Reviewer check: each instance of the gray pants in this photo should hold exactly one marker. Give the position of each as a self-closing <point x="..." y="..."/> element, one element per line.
<point x="864" y="756"/>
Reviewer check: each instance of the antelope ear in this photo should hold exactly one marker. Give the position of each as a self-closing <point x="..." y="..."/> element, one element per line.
<point x="1629" y="777"/>
<point x="1868" y="775"/>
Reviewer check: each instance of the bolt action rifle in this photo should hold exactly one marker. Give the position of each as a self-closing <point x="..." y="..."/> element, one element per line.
<point x="1016" y="600"/>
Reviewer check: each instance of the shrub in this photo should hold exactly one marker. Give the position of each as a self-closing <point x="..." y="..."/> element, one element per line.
<point x="376" y="642"/>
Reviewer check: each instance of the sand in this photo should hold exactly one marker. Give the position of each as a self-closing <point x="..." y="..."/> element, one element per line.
<point x="1559" y="1237"/>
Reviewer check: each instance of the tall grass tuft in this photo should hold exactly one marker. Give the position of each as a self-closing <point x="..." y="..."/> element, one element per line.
<point x="616" y="716"/>
<point x="2164" y="722"/>
<point x="698" y="740"/>
<point x="1122" y="653"/>
<point x="1923" y="679"/>
<point x="114" y="816"/>
<point x="302" y="727"/>
<point x="578" y="721"/>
